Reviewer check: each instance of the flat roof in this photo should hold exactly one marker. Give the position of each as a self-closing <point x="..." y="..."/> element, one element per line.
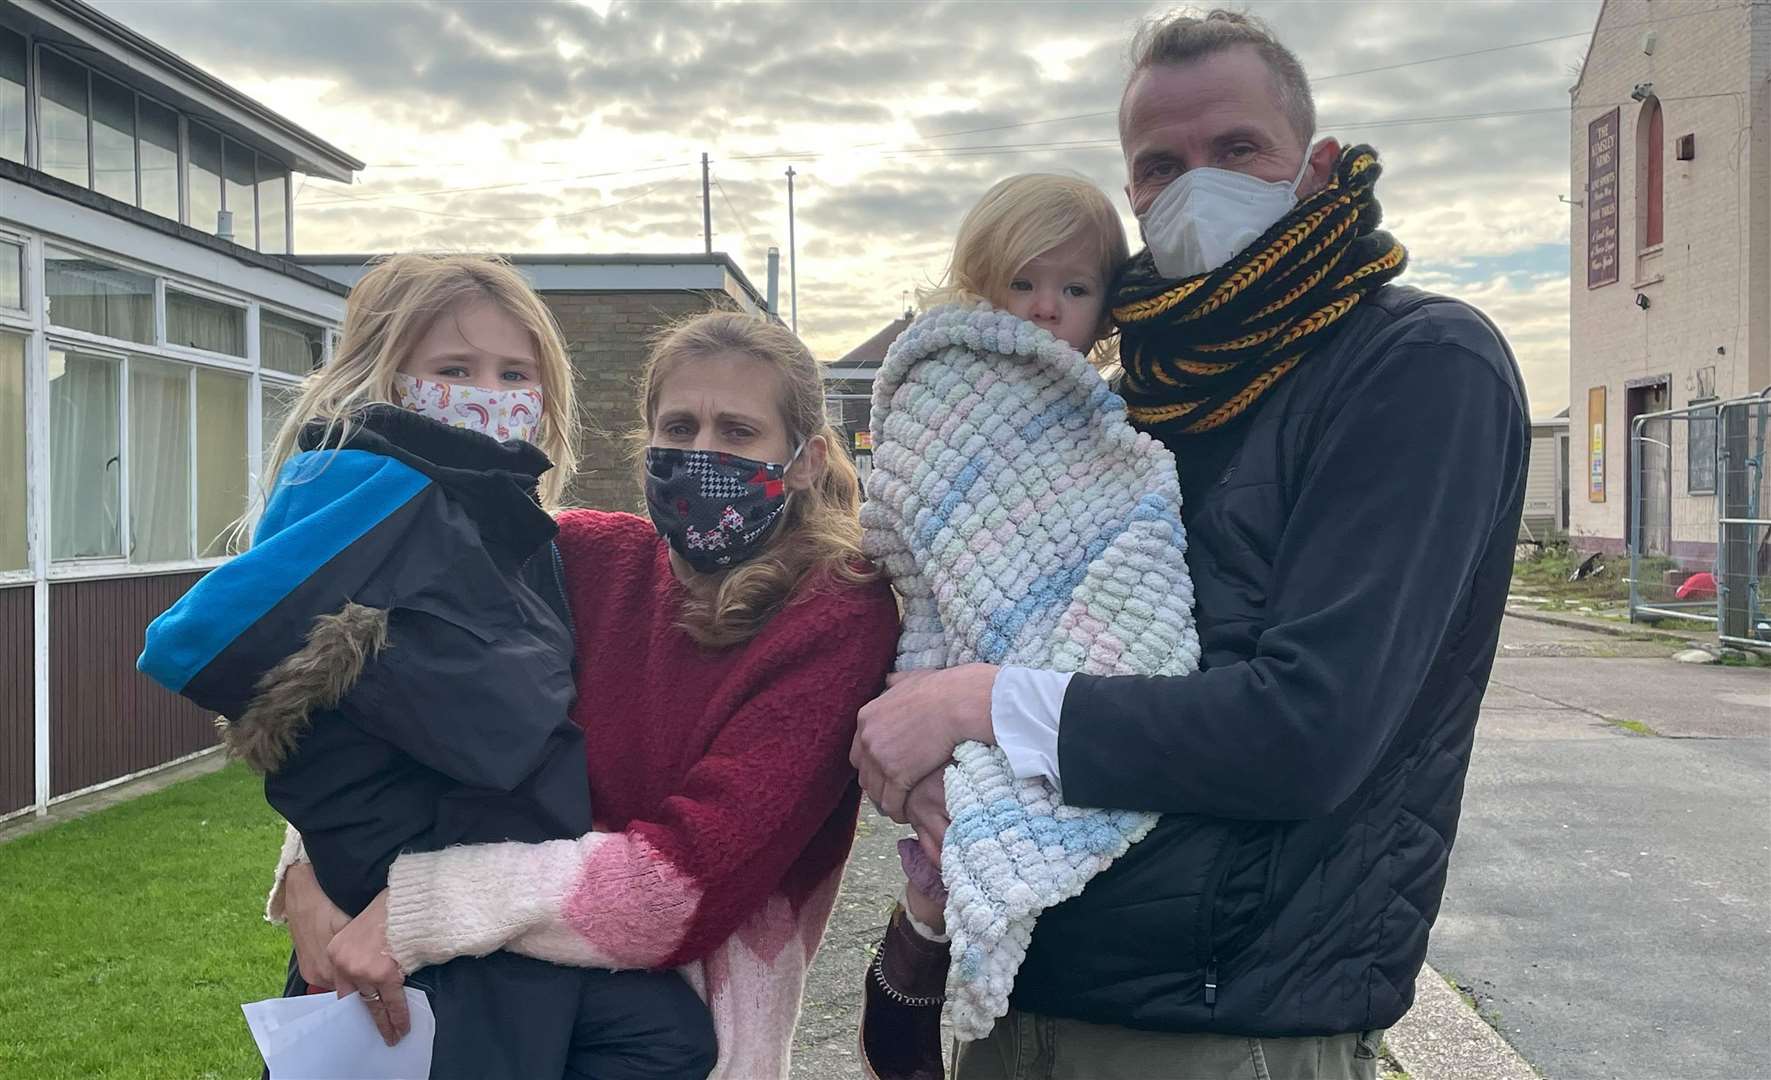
<point x="571" y="272"/>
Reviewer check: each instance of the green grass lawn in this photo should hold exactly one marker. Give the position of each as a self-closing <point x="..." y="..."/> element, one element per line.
<point x="131" y="936"/>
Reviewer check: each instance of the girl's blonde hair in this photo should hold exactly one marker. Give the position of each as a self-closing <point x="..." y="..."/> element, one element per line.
<point x="390" y="308"/>
<point x="1019" y="220"/>
<point x="819" y="538"/>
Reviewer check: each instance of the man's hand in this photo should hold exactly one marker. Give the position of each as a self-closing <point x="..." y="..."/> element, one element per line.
<point x="910" y="731"/>
<point x="313" y="921"/>
<point x="363" y="963"/>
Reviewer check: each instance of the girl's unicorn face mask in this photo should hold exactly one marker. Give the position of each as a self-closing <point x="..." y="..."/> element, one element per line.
<point x="505" y="415"/>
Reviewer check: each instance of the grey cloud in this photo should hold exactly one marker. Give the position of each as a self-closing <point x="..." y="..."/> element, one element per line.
<point x="749" y="79"/>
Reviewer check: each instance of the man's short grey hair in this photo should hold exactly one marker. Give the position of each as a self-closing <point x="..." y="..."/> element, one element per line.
<point x="1182" y="37"/>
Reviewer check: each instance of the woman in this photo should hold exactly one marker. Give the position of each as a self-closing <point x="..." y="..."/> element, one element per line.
<point x="723" y="651"/>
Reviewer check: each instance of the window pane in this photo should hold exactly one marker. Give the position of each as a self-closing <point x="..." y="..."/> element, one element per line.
<point x="12" y="275"/>
<point x="61" y="145"/>
<point x="85" y="463"/>
<point x="205" y="324"/>
<point x="1700" y="452"/>
<point x="242" y="187"/>
<point x="288" y="345"/>
<point x="113" y="140"/>
<point x="275" y="401"/>
<point x="273" y="209"/>
<point x="221" y="458"/>
<point x="204" y="170"/>
<point x="159" y="461"/>
<point x="85" y="294"/>
<point x="12" y="452"/>
<point x="12" y="96"/>
<point x="159" y="160"/>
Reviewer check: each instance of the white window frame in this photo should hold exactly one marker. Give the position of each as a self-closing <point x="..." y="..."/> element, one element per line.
<point x="30" y="158"/>
<point x="99" y="340"/>
<point x="184" y="158"/>
<point x="227" y="140"/>
<point x="92" y="136"/>
<point x="177" y="150"/>
<point x="95" y="565"/>
<point x="34" y="104"/>
<point x="29" y="572"/>
<point x="257" y="483"/>
<point x="20" y="316"/>
<point x="326" y="334"/>
<point x="44" y="337"/>
<point x="191" y="353"/>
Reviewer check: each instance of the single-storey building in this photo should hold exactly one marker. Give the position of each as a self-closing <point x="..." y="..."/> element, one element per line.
<point x="151" y="325"/>
<point x="1546" y="485"/>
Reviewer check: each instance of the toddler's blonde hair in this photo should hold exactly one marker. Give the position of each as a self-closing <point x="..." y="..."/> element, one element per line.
<point x="1017" y="221"/>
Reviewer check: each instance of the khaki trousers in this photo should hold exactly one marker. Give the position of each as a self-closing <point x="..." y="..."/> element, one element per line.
<point x="1024" y="1046"/>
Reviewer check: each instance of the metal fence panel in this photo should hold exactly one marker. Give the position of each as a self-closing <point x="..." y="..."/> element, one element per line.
<point x="1727" y="444"/>
<point x="1743" y="502"/>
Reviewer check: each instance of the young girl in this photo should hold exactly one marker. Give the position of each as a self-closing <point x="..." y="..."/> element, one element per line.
<point x="395" y="651"/>
<point x="1012" y="505"/>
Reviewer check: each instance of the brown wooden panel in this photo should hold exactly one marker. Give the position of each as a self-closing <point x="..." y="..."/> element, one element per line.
<point x="106" y="719"/>
<point x="18" y="698"/>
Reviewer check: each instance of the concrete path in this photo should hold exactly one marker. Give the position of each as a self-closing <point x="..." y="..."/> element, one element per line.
<point x="1608" y="904"/>
<point x="1610" y="895"/>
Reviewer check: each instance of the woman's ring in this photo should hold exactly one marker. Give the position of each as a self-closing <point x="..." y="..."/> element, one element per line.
<point x="371" y="995"/>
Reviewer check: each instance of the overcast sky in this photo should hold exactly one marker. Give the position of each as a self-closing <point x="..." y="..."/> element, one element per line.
<point x="534" y="127"/>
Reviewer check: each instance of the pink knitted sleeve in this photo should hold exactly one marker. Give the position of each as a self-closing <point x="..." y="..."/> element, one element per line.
<point x="671" y="888"/>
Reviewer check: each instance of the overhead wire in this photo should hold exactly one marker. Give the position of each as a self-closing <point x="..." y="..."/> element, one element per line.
<point x="564" y="216"/>
<point x="743" y="219"/>
<point x="339" y="196"/>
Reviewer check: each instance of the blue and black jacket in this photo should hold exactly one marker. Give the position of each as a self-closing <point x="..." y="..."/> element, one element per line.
<point x="394" y="653"/>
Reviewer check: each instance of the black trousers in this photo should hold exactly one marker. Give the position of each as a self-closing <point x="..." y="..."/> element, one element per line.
<point x="509" y="1017"/>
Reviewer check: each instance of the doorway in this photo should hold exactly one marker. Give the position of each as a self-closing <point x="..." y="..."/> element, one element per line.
<point x="1652" y="478"/>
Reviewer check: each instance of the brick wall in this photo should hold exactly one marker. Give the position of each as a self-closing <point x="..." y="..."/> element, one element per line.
<point x="1701" y="284"/>
<point x="607" y="334"/>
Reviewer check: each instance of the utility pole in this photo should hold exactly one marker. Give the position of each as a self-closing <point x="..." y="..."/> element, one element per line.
<point x="706" y="208"/>
<point x="792" y="255"/>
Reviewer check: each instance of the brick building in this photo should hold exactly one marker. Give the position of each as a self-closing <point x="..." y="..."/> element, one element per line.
<point x="1670" y="300"/>
<point x="608" y="308"/>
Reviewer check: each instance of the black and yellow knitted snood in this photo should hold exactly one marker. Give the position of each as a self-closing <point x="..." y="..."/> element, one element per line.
<point x="1199" y="351"/>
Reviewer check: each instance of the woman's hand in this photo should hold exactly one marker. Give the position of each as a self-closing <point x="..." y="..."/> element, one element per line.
<point x="362" y="963"/>
<point x="927" y="810"/>
<point x="313" y="921"/>
<point x="909" y="732"/>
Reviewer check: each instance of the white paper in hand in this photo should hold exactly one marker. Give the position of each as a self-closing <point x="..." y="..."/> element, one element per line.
<point x="322" y="1037"/>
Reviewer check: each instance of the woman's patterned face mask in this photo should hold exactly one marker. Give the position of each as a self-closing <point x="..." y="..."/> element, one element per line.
<point x="716" y="510"/>
<point x="505" y="415"/>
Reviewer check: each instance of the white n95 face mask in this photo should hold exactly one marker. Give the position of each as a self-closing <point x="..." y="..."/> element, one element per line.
<point x="1205" y="217"/>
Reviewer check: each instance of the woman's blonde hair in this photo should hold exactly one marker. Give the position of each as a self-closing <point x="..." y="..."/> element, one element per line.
<point x="390" y="308"/>
<point x="819" y="538"/>
<point x="1019" y="220"/>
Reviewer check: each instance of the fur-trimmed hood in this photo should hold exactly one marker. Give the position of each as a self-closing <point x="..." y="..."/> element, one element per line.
<point x="317" y="676"/>
<point x="397" y="515"/>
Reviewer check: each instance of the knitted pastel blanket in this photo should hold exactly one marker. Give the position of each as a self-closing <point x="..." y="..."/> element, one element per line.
<point x="1023" y="522"/>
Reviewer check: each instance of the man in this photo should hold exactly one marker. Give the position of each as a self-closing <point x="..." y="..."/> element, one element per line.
<point x="1351" y="457"/>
